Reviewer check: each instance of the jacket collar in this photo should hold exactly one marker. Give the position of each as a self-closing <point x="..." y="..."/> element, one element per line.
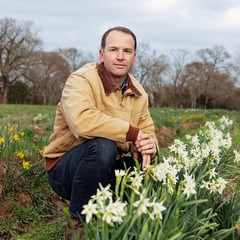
<point x="109" y="86"/>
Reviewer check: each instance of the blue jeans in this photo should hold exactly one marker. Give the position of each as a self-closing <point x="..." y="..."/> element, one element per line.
<point x="77" y="175"/>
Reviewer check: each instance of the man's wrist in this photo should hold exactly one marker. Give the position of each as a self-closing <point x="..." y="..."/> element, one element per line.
<point x="132" y="133"/>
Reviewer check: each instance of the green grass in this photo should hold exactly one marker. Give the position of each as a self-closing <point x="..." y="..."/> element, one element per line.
<point x="12" y="110"/>
<point x="39" y="219"/>
<point x="162" y="116"/>
<point x="176" y="117"/>
<point x="53" y="230"/>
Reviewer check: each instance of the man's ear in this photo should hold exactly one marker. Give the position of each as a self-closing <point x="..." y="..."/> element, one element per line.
<point x="101" y="55"/>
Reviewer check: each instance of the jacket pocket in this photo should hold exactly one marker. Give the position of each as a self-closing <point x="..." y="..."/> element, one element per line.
<point x="65" y="143"/>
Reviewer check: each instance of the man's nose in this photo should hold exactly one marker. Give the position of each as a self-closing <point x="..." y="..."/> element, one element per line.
<point x="120" y="55"/>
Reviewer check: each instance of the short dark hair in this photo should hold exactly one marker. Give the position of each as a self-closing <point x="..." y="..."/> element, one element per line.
<point x="121" y="29"/>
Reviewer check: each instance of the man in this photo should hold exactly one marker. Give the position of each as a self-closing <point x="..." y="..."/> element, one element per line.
<point x="103" y="114"/>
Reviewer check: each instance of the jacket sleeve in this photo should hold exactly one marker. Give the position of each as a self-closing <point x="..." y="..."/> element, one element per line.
<point x="146" y="123"/>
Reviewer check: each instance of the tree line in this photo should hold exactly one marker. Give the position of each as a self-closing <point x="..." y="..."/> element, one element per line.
<point x="209" y="78"/>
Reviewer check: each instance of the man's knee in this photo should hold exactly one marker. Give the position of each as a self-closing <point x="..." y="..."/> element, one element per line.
<point x="107" y="150"/>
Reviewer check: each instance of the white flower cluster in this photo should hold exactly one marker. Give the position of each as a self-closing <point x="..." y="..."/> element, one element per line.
<point x="189" y="166"/>
<point x="201" y="149"/>
<point x="214" y="185"/>
<point x="225" y="122"/>
<point x="104" y="207"/>
<point x="153" y="209"/>
<point x="237" y="156"/>
<point x="38" y="118"/>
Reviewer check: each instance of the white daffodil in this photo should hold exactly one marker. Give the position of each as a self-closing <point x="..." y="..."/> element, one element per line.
<point x="188" y="137"/>
<point x="158" y="208"/>
<point x="108" y="215"/>
<point x="213" y="186"/>
<point x="142" y="204"/>
<point x="227" y="141"/>
<point x="119" y="210"/>
<point x="136" y="181"/>
<point x="205" y="185"/>
<point x="225" y="121"/>
<point x="205" y="151"/>
<point x="212" y="173"/>
<point x="237" y="156"/>
<point x="173" y="174"/>
<point x="189" y="189"/>
<point x="214" y="146"/>
<point x="182" y="153"/>
<point x="189" y="186"/>
<point x="103" y="194"/>
<point x="160" y="171"/>
<point x="221" y="184"/>
<point x="178" y="146"/>
<point x="114" y="212"/>
<point x="120" y="173"/>
<point x="89" y="210"/>
<point x="195" y="140"/>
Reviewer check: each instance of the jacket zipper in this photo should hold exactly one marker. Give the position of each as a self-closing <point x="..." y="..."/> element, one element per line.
<point x="122" y="99"/>
<point x="123" y="96"/>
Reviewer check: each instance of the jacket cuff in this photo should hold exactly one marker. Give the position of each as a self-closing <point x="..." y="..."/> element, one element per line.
<point x="132" y="133"/>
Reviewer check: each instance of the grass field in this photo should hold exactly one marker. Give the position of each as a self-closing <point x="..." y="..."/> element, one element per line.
<point x="28" y="207"/>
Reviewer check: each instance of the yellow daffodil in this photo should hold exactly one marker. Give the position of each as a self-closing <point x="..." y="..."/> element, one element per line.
<point x="41" y="151"/>
<point x="10" y="129"/>
<point x="20" y="155"/>
<point x="26" y="164"/>
<point x="22" y="134"/>
<point x="16" y="137"/>
<point x="2" y="140"/>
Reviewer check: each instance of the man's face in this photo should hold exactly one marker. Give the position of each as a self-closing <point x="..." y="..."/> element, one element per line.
<point x="118" y="55"/>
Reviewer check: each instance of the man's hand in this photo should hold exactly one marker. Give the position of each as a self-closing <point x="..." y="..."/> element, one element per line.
<point x="146" y="162"/>
<point x="146" y="146"/>
<point x="134" y="151"/>
<point x="145" y="159"/>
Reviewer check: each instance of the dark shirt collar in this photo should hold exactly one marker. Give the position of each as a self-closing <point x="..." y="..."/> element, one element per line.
<point x="124" y="85"/>
<point x="110" y="87"/>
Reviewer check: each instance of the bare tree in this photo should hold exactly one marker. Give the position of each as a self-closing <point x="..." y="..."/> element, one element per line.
<point x="48" y="77"/>
<point x="221" y="90"/>
<point x="148" y="69"/>
<point x="236" y="68"/>
<point x="194" y="78"/>
<point x="235" y="95"/>
<point x="75" y="57"/>
<point x="18" y="41"/>
<point x="175" y="80"/>
<point x="213" y="60"/>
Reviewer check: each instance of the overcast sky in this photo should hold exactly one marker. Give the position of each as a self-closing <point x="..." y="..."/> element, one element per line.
<point x="164" y="24"/>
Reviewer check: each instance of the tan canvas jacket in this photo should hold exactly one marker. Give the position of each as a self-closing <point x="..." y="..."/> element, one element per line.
<point x="92" y="106"/>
